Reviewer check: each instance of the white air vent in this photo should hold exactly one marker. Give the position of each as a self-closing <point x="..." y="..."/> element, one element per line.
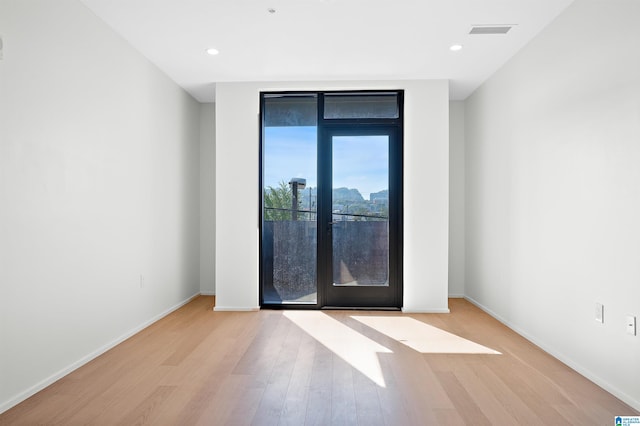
<point x="490" y="29"/>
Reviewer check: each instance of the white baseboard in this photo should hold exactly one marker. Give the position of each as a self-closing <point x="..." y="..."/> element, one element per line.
<point x="425" y="311"/>
<point x="235" y="309"/>
<point x="456" y="296"/>
<point x="82" y="361"/>
<point x="627" y="399"/>
<point x="207" y="293"/>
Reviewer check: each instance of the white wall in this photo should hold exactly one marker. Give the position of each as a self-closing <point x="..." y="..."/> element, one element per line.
<point x="426" y="194"/>
<point x="207" y="198"/>
<point x="98" y="186"/>
<point x="456" y="199"/>
<point x="553" y="206"/>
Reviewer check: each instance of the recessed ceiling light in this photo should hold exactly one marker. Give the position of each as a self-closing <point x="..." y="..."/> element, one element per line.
<point x="455" y="47"/>
<point x="212" y="51"/>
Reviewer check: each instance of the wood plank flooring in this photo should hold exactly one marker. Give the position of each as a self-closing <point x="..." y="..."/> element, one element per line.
<point x="200" y="367"/>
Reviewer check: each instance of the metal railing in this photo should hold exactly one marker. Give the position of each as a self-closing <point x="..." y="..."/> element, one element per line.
<point x="334" y="214"/>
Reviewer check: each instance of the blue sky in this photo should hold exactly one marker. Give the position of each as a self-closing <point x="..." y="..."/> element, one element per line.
<point x="290" y="152"/>
<point x="358" y="162"/>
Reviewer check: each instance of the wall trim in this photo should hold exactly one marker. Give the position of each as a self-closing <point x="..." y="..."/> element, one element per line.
<point x="456" y="296"/>
<point x="207" y="293"/>
<point x="235" y="309"/>
<point x="425" y="311"/>
<point x="627" y="399"/>
<point x="89" y="357"/>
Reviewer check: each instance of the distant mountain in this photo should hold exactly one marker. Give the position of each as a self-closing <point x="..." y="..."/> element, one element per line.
<point x="380" y="195"/>
<point x="340" y="195"/>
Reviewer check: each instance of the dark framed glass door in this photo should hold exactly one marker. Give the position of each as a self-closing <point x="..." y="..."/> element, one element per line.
<point x="331" y="200"/>
<point x="360" y="216"/>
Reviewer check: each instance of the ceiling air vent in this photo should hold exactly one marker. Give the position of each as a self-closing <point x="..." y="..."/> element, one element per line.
<point x="490" y="29"/>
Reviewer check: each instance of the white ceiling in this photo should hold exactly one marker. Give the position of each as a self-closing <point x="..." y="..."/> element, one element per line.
<point x="325" y="39"/>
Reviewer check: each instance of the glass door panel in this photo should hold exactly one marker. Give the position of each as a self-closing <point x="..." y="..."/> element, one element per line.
<point x="363" y="222"/>
<point x="360" y="210"/>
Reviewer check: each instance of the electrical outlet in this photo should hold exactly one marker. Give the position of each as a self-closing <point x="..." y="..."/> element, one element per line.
<point x="600" y="312"/>
<point x="631" y="325"/>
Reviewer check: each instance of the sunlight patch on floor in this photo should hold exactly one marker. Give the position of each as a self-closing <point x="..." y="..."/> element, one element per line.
<point x="423" y="337"/>
<point x="358" y="350"/>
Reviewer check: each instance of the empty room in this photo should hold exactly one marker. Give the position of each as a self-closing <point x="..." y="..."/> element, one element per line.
<point x="319" y="212"/>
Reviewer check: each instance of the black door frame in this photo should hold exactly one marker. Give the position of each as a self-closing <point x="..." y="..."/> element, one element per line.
<point x="359" y="296"/>
<point x="327" y="128"/>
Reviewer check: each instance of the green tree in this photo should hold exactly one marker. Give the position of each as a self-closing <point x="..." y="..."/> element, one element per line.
<point x="277" y="202"/>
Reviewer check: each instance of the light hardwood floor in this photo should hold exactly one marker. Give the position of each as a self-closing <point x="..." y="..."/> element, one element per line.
<point x="197" y="366"/>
